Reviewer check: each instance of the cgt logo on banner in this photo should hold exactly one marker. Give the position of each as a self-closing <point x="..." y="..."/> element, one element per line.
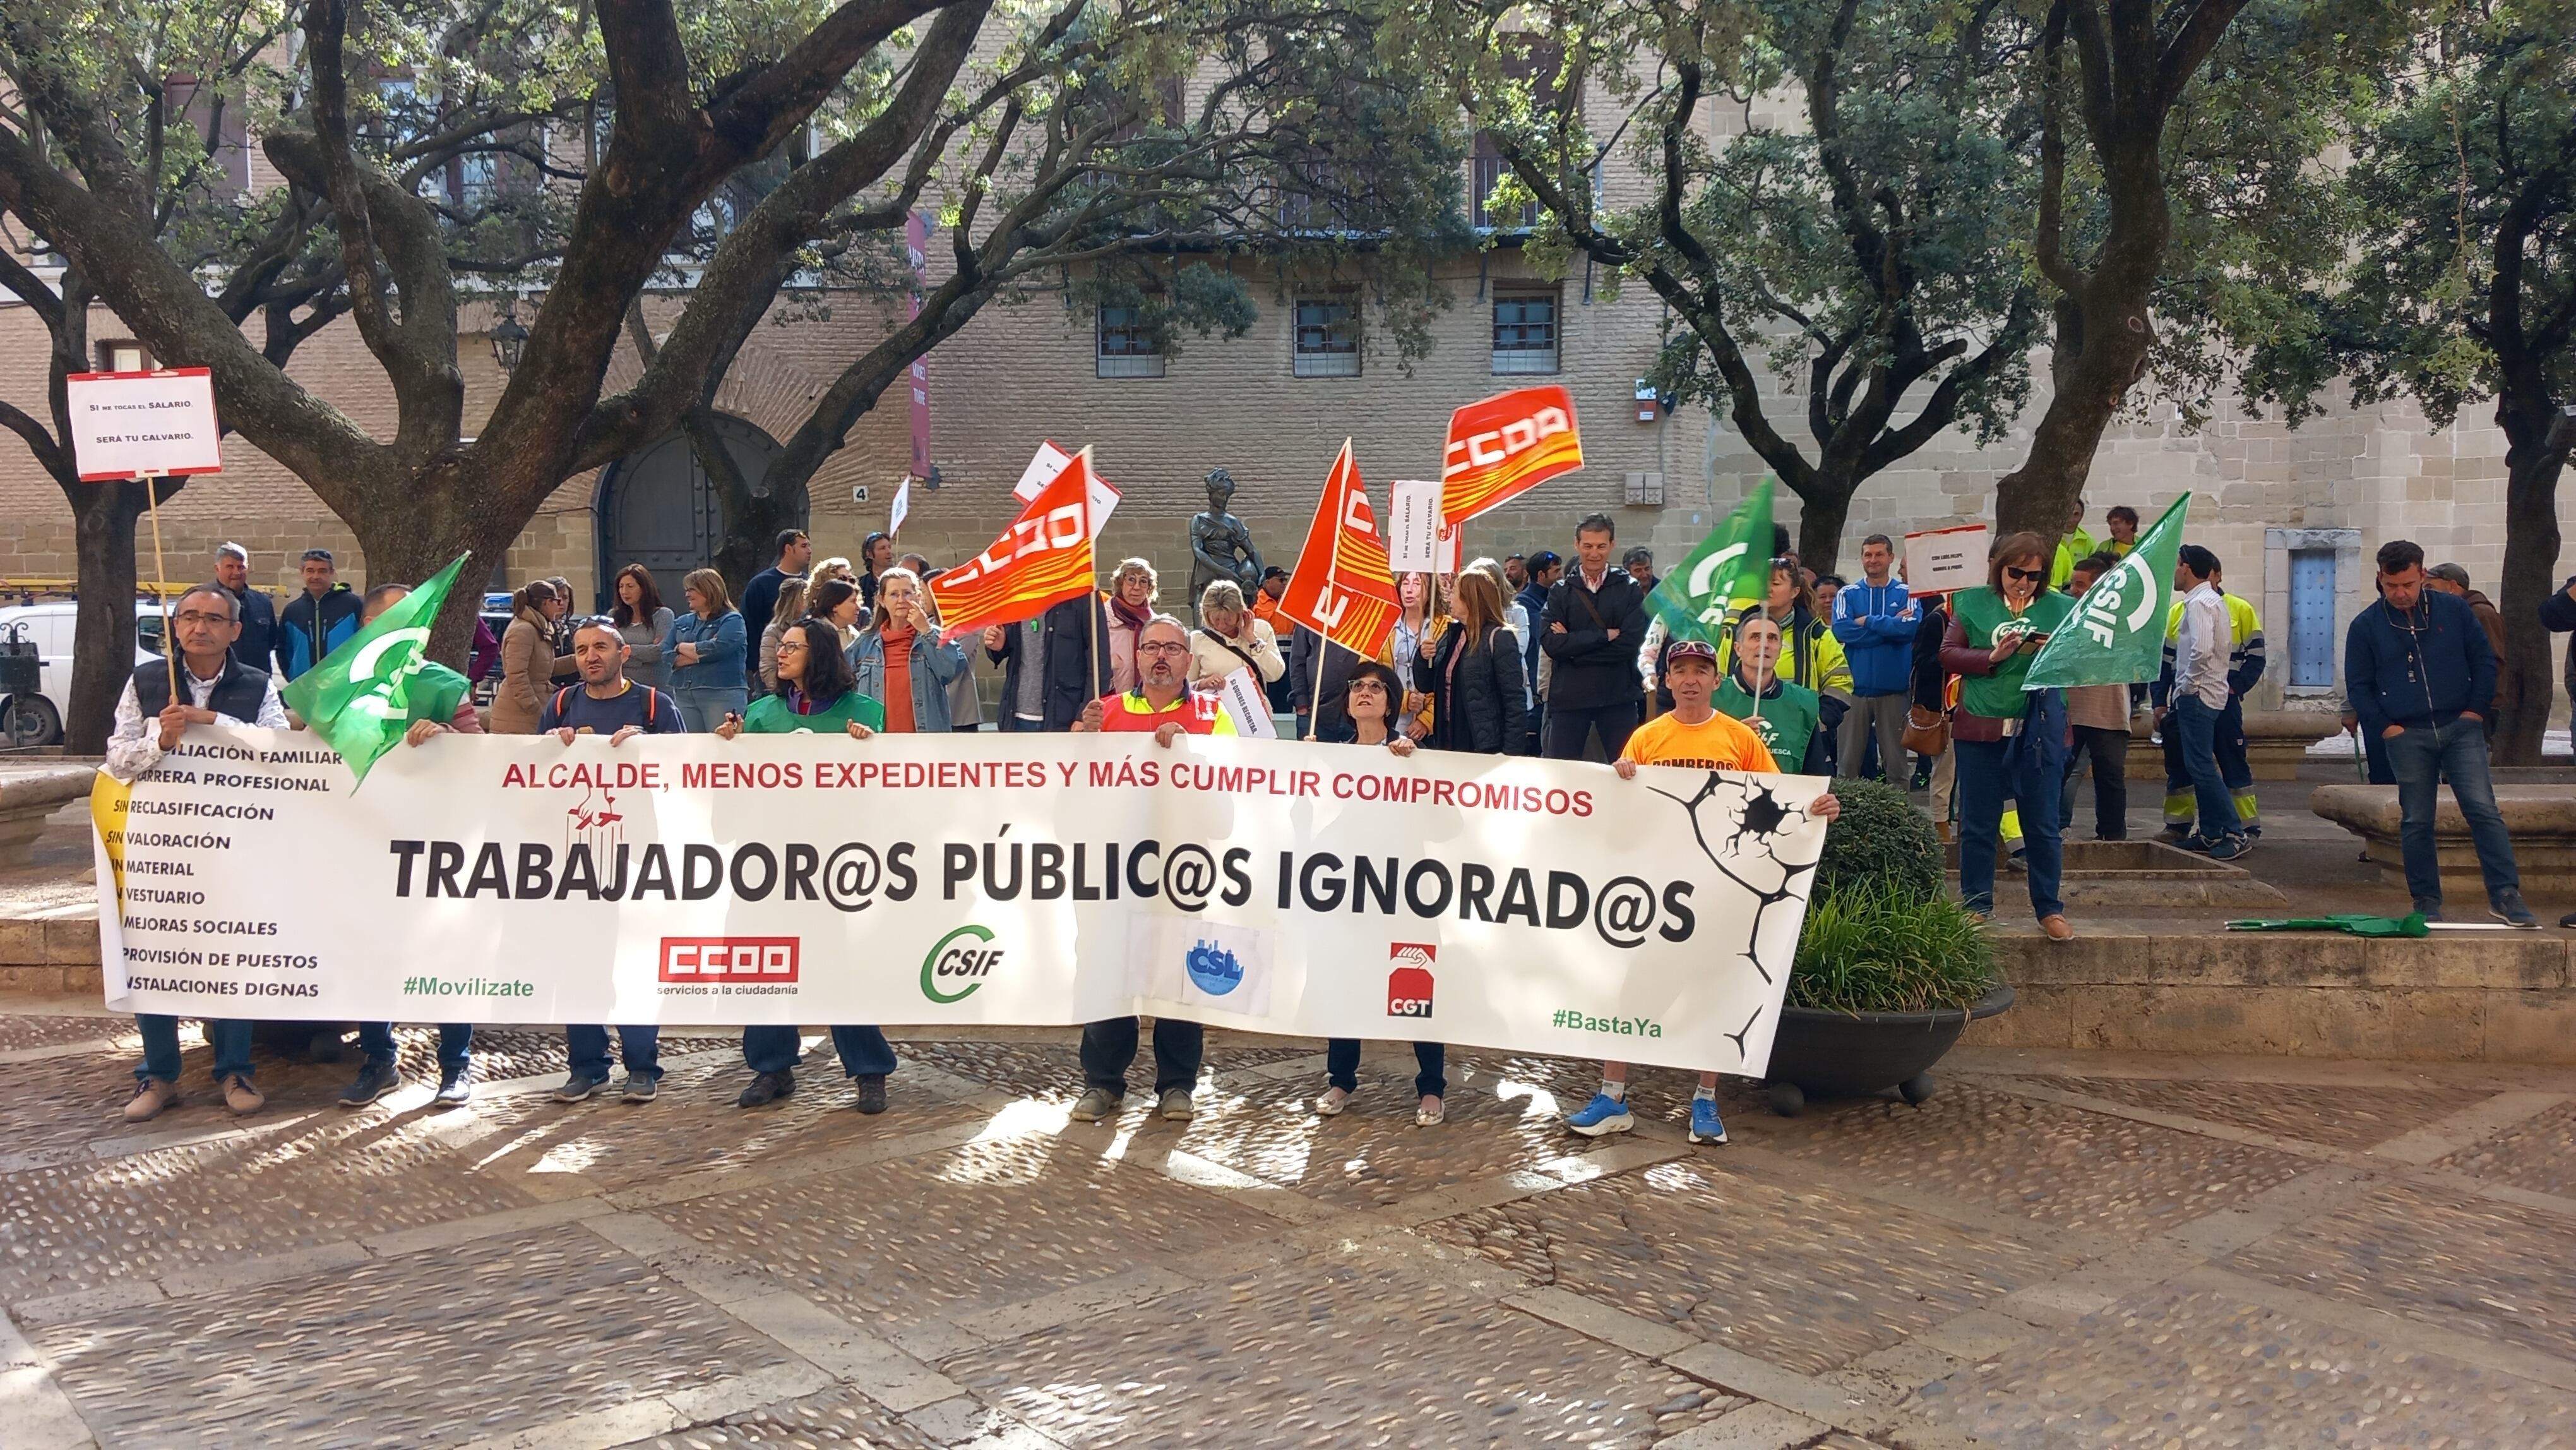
<point x="948" y="961"/>
<point x="1408" y="987"/>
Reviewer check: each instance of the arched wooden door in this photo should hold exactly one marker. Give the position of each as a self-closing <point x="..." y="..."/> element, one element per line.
<point x="656" y="507"/>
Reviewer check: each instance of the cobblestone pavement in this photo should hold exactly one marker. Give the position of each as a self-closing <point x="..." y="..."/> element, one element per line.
<point x="2056" y="1250"/>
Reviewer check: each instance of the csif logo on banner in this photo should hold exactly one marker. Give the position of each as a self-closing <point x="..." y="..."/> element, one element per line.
<point x="1408" y="987"/>
<point x="965" y="956"/>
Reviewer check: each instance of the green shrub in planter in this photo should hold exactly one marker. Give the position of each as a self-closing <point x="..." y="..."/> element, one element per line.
<point x="1872" y="948"/>
<point x="1881" y="840"/>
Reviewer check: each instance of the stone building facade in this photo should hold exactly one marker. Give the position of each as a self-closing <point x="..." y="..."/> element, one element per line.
<point x="2293" y="513"/>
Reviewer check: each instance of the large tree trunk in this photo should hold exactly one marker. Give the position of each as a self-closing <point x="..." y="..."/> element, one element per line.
<point x="2109" y="343"/>
<point x="1822" y="513"/>
<point x="103" y="620"/>
<point x="410" y="545"/>
<point x="753" y="516"/>
<point x="2530" y="572"/>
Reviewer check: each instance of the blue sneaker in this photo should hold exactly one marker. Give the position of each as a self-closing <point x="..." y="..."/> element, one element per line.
<point x="1705" y="1125"/>
<point x="1604" y="1114"/>
<point x="2228" y="848"/>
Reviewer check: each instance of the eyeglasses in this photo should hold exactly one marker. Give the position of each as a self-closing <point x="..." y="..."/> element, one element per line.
<point x="1162" y="649"/>
<point x="199" y="616"/>
<point x="2033" y="575"/>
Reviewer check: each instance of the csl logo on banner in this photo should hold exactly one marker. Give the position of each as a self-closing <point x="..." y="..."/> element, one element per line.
<point x="949" y="962"/>
<point x="729" y="958"/>
<point x="1408" y="987"/>
<point x="1213" y="969"/>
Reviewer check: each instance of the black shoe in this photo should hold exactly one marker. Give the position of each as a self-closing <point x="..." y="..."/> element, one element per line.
<point x="454" y="1086"/>
<point x="2568" y="921"/>
<point x="2508" y="908"/>
<point x="640" y="1087"/>
<point x="767" y="1088"/>
<point x="374" y="1081"/>
<point x="2429" y="910"/>
<point x="871" y="1092"/>
<point x="577" y="1087"/>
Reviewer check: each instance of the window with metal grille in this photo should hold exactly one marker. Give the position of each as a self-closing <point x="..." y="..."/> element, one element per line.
<point x="1487" y="172"/>
<point x="1328" y="337"/>
<point x="1525" y="332"/>
<point x="1127" y="350"/>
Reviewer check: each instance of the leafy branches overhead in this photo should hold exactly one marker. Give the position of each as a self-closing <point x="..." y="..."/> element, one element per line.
<point x="1833" y="187"/>
<point x="2455" y="281"/>
<point x="423" y="162"/>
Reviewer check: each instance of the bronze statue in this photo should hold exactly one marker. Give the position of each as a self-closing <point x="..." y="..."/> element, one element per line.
<point x="1220" y="546"/>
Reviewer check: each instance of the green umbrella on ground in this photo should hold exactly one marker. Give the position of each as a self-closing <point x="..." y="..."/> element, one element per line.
<point x="2352" y="923"/>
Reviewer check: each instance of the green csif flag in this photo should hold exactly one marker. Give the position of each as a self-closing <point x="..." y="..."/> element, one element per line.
<point x="1729" y="571"/>
<point x="2116" y="636"/>
<point x="365" y="694"/>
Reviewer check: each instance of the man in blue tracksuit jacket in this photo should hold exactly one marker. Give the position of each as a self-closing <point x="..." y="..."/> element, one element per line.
<point x="2419" y="673"/>
<point x="1875" y="621"/>
<point x="320" y="619"/>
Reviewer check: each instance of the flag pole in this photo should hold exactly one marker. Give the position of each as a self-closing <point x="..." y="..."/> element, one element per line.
<point x="160" y="591"/>
<point x="1099" y="665"/>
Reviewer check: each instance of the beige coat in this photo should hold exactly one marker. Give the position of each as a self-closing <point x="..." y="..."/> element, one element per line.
<point x="527" y="670"/>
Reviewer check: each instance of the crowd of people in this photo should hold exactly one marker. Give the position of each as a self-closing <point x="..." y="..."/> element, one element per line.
<point x="1531" y="655"/>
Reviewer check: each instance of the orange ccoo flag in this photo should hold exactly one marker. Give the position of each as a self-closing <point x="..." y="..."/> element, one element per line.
<point x="1041" y="560"/>
<point x="1507" y="444"/>
<point x="1343" y="589"/>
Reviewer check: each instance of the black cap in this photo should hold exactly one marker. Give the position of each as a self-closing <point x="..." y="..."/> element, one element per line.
<point x="1274" y="572"/>
<point x="1544" y="559"/>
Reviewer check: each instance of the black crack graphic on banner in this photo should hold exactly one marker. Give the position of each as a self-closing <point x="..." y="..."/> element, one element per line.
<point x="1738" y="1037"/>
<point x="1757" y="824"/>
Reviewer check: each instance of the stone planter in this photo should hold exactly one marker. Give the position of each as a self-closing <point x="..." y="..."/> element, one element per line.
<point x="2540" y="818"/>
<point x="2276" y="742"/>
<point x="1854" y="1054"/>
<point x="27" y="797"/>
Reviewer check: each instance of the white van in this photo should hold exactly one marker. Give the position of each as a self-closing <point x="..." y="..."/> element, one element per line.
<point x="47" y="624"/>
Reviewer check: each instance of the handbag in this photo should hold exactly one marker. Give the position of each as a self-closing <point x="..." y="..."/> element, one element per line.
<point x="1927" y="732"/>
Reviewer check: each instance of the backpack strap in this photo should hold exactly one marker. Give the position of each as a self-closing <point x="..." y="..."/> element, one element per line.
<point x="560" y="696"/>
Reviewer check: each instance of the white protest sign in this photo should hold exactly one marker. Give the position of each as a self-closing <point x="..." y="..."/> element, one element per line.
<point x="132" y="425"/>
<point x="1035" y="880"/>
<point x="1942" y="561"/>
<point x="902" y="507"/>
<point x="1250" y="708"/>
<point x="1050" y="461"/>
<point x="1413" y="526"/>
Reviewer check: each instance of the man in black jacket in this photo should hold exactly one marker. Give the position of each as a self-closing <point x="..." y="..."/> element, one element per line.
<point x="1067" y="676"/>
<point x="1314" y="721"/>
<point x="1596" y="617"/>
<point x="258" y="611"/>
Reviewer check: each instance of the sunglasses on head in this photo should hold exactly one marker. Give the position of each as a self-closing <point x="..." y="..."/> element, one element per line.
<point x="2034" y="575"/>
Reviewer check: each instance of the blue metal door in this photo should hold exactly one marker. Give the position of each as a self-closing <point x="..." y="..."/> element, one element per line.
<point x="2312" y="621"/>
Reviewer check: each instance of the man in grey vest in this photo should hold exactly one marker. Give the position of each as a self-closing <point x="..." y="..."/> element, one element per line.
<point x="150" y="718"/>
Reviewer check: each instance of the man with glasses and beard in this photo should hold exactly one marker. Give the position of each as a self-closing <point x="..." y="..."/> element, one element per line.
<point x="1164" y="705"/>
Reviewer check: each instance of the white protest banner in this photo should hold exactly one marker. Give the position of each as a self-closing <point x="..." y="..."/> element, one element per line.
<point x="1273" y="886"/>
<point x="903" y="506"/>
<point x="134" y="425"/>
<point x="1942" y="561"/>
<point x="1045" y="465"/>
<point x="1250" y="708"/>
<point x="1413" y="526"/>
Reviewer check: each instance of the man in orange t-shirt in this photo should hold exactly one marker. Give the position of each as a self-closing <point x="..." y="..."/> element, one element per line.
<point x="1695" y="736"/>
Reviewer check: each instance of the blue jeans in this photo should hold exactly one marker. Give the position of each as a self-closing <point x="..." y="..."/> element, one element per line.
<point x="1342" y="1066"/>
<point x="864" y="1051"/>
<point x="701" y="711"/>
<point x="1109" y="1047"/>
<point x="2422" y="759"/>
<point x="229" y="1037"/>
<point x="587" y="1049"/>
<point x="2199" y="728"/>
<point x="1013" y="724"/>
<point x="2031" y="769"/>
<point x="455" y="1044"/>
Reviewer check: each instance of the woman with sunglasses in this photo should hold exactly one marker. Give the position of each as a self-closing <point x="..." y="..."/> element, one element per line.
<point x="2010" y="742"/>
<point x="818" y="694"/>
<point x="1370" y="700"/>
